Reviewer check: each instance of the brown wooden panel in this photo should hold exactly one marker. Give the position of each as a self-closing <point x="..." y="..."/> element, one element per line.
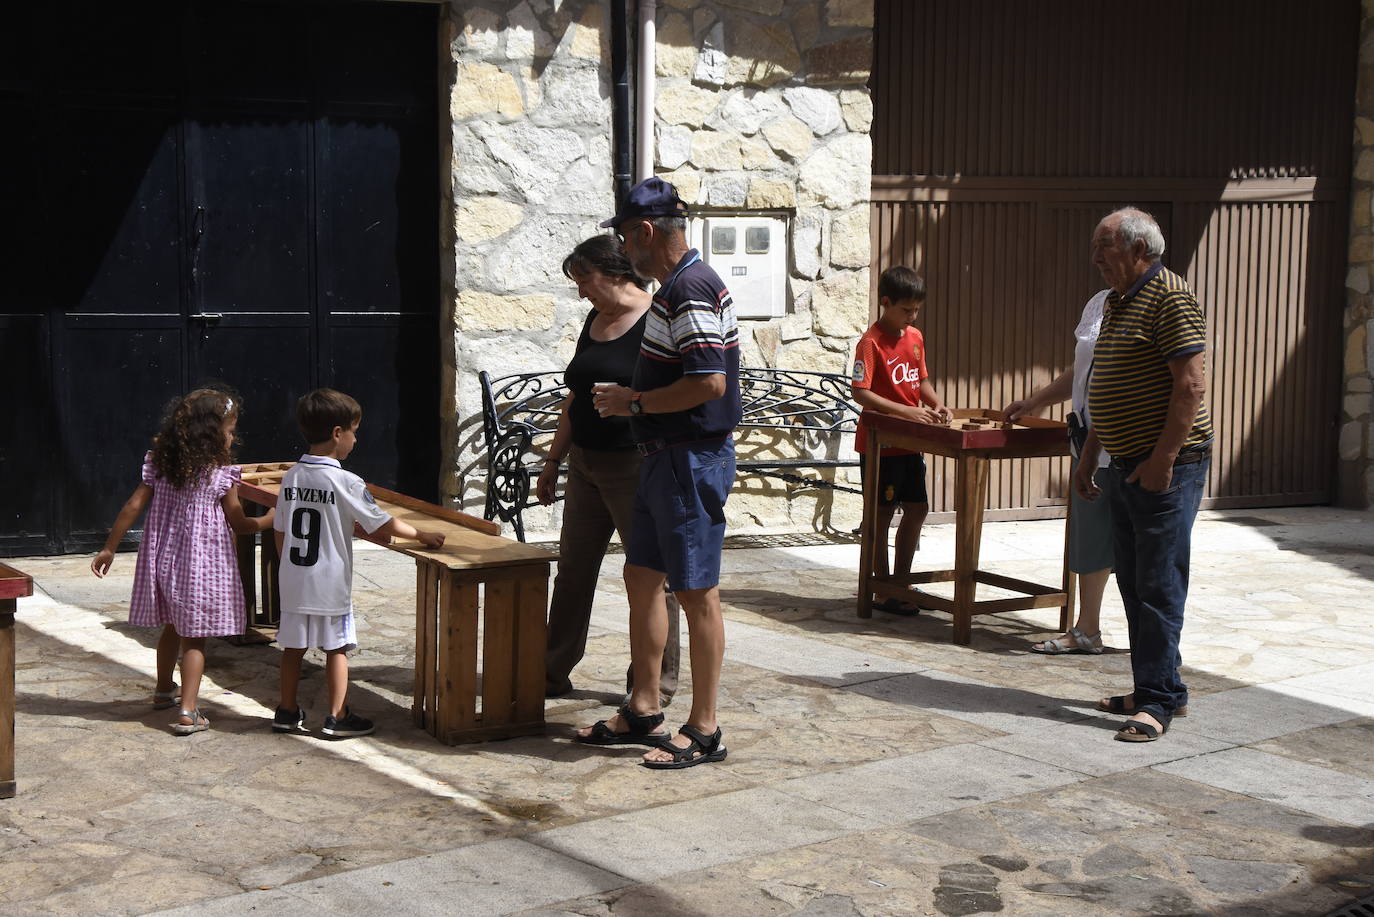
<point x="1000" y="138"/>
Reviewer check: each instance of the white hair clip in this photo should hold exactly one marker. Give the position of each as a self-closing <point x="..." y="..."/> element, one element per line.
<point x="228" y="405"/>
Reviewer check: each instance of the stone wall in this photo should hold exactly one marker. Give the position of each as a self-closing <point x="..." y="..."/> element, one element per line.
<point x="1356" y="444"/>
<point x="760" y="105"/>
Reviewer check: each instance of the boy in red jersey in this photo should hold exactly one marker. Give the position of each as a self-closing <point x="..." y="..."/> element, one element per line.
<point x="890" y="377"/>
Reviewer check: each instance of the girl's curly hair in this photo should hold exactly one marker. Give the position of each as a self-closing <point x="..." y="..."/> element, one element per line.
<point x="191" y="441"/>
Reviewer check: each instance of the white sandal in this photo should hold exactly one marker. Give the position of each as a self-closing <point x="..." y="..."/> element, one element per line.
<point x="198" y="723"/>
<point x="164" y="699"/>
<point x="1074" y="642"/>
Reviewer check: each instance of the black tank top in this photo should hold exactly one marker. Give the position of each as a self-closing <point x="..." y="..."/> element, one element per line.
<point x="601" y="361"/>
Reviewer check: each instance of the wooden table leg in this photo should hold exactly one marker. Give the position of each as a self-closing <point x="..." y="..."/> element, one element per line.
<point x="869" y="542"/>
<point x="426" y="609"/>
<point x="1069" y="580"/>
<point x="7" y="784"/>
<point x="970" y="499"/>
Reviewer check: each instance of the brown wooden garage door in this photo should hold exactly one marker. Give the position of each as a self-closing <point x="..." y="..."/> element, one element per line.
<point x="1003" y="131"/>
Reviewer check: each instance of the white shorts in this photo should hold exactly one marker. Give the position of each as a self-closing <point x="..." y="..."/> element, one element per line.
<point x="327" y="632"/>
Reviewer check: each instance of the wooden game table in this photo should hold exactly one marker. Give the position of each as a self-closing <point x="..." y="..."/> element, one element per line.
<point x="973" y="439"/>
<point x="478" y="586"/>
<point x="13" y="586"/>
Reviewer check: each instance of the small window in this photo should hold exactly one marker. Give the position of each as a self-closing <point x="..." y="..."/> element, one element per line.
<point x="723" y="240"/>
<point x="756" y="240"/>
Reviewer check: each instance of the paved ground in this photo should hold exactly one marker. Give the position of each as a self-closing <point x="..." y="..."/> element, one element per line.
<point x="874" y="768"/>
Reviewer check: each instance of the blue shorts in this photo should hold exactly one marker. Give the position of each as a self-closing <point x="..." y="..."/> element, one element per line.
<point x="679" y="515"/>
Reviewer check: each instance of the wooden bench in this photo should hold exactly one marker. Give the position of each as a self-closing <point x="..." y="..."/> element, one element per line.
<point x="793" y="420"/>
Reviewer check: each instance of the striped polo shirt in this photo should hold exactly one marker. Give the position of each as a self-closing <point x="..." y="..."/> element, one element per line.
<point x="1156" y="321"/>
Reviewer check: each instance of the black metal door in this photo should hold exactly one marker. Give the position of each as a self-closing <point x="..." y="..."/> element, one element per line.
<point x="243" y="192"/>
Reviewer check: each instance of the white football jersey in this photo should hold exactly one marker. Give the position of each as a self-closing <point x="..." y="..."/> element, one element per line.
<point x="316" y="508"/>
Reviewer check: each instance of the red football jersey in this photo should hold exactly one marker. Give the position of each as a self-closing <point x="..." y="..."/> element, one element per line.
<point x="893" y="366"/>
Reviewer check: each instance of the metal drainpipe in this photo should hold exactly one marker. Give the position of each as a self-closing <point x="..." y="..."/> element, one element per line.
<point x="620" y="104"/>
<point x="644" y="118"/>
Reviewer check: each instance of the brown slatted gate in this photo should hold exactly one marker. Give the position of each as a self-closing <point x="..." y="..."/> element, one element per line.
<point x="1003" y="131"/>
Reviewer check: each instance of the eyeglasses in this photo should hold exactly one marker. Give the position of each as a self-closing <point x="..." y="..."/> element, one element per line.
<point x="622" y="235"/>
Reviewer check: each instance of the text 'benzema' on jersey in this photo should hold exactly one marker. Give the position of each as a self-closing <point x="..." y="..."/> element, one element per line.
<point x="690" y="329"/>
<point x="1131" y="385"/>
<point x="316" y="508"/>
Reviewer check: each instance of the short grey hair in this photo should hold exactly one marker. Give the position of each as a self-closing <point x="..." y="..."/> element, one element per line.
<point x="670" y="225"/>
<point x="1138" y="226"/>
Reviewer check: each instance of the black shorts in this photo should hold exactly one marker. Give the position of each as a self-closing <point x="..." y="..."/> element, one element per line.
<point x="901" y="479"/>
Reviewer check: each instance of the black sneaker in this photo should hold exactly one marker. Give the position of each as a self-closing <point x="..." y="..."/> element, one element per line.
<point x="289" y="721"/>
<point x="348" y="726"/>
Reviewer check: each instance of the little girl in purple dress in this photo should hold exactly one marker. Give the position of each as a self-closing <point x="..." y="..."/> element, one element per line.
<point x="187" y="577"/>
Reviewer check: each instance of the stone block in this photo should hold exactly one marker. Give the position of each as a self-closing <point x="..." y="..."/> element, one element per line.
<point x="765" y="194"/>
<point x="850" y="245"/>
<point x="839" y="174"/>
<point x="759" y="7"/>
<point x="806" y="24"/>
<point x="484" y="218"/>
<point x="675" y="51"/>
<point x="533" y="254"/>
<point x="484" y="89"/>
<point x="1365" y="127"/>
<point x="761" y="53"/>
<point x="1361" y="247"/>
<point x="806" y="245"/>
<point x="839" y="305"/>
<point x="1357" y="278"/>
<point x="789" y="136"/>
<point x="1356" y="407"/>
<point x="726" y="191"/>
<point x="1359" y="384"/>
<point x="715" y="151"/>
<point x="1362" y="211"/>
<point x="816" y="108"/>
<point x="758" y="157"/>
<point x="584" y="189"/>
<point x="674" y="145"/>
<point x="524" y="34"/>
<point x="477" y="310"/>
<point x="1364" y="166"/>
<point x="683" y="103"/>
<point x="474" y="170"/>
<point x="769" y="341"/>
<point x="480" y="36"/>
<point x="849" y="12"/>
<point x="739" y="114"/>
<point x="591" y="39"/>
<point x="856" y="105"/>
<point x="1356" y="362"/>
<point x="687" y="182"/>
<point x="1351" y="444"/>
<point x="573" y="95"/>
<point x="712" y="63"/>
<point x="845" y="62"/>
<point x="535" y="157"/>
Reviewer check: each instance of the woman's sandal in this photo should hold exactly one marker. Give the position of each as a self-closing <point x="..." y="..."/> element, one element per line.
<point x="198" y="723"/>
<point x="1074" y="642"/>
<point x="701" y="749"/>
<point x="164" y="699"/>
<point x="1141" y="731"/>
<point x="1117" y="704"/>
<point x="641" y="730"/>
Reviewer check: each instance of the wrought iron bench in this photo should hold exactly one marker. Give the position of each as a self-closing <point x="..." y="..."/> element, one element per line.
<point x="793" y="421"/>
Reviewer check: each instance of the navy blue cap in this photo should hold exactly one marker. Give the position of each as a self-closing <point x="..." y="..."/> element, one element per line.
<point x="651" y="198"/>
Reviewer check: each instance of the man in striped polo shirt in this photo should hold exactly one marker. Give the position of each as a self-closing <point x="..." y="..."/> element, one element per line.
<point x="683" y="408"/>
<point x="1145" y="398"/>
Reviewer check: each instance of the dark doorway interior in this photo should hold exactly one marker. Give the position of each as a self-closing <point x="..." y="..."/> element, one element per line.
<point x="242" y="192"/>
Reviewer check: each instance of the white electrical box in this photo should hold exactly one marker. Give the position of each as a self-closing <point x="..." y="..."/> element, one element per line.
<point x="749" y="252"/>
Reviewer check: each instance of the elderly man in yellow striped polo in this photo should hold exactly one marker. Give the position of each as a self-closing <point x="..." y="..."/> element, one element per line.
<point x="1145" y="401"/>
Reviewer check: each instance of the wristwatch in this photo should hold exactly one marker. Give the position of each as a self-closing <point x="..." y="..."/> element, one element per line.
<point x="635" y="407"/>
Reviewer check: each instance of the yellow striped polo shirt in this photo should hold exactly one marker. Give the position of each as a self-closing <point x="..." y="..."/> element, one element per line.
<point x="1156" y="321"/>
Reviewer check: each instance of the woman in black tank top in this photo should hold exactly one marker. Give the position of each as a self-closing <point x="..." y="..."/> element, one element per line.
<point x="603" y="464"/>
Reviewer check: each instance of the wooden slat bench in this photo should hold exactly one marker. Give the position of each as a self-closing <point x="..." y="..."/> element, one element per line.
<point x="794" y="421"/>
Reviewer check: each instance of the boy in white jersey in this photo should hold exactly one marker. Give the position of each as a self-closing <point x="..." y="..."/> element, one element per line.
<point x="316" y="509"/>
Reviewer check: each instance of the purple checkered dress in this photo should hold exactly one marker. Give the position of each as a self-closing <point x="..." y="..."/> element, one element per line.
<point x="187" y="573"/>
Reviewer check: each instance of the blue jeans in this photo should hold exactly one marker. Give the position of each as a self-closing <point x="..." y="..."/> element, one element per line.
<point x="1152" y="540"/>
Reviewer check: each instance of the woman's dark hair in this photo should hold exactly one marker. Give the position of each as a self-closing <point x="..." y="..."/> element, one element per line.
<point x="191" y="441"/>
<point x="603" y="253"/>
